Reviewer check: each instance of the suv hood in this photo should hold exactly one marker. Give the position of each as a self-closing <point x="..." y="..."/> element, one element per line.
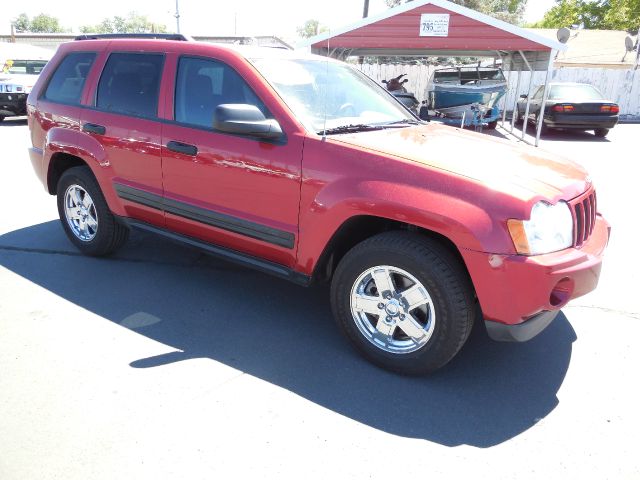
<point x="524" y="172"/>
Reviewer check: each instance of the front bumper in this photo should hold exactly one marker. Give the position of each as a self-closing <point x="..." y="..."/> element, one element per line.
<point x="518" y="290"/>
<point x="13" y="104"/>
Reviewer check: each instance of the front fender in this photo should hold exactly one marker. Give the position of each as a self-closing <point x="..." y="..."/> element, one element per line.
<point x="460" y="218"/>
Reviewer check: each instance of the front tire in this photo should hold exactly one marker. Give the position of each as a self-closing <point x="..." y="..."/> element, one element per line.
<point x="404" y="301"/>
<point x="85" y="215"/>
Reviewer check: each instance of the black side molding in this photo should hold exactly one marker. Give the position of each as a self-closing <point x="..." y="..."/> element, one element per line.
<point x="245" y="260"/>
<point x="208" y="217"/>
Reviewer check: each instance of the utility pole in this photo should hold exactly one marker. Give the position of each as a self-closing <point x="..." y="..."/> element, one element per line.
<point x="365" y="14"/>
<point x="177" y="15"/>
<point x="637" y="50"/>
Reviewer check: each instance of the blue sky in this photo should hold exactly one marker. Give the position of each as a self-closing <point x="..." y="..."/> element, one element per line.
<point x="243" y="17"/>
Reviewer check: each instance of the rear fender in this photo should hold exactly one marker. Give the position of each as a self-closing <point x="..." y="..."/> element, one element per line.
<point x="89" y="150"/>
<point x="76" y="143"/>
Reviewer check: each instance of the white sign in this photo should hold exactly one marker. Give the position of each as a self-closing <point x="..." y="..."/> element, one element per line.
<point x="434" y="25"/>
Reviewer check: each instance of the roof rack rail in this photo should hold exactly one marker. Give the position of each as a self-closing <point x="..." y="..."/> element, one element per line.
<point x="148" y="36"/>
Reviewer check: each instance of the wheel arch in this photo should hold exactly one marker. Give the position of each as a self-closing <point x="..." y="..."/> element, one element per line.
<point x="358" y="228"/>
<point x="66" y="148"/>
<point x="59" y="163"/>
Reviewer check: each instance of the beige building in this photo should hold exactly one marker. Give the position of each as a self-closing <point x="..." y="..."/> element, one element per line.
<point x="593" y="49"/>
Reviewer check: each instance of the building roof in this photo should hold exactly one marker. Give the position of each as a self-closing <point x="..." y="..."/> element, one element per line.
<point x="592" y="48"/>
<point x="53" y="40"/>
<point x="398" y="31"/>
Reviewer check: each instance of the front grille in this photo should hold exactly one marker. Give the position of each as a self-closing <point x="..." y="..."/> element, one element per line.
<point x="584" y="210"/>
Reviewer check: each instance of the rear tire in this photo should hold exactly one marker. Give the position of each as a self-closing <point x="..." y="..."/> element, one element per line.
<point x="85" y="215"/>
<point x="404" y="301"/>
<point x="544" y="130"/>
<point x="517" y="117"/>
<point x="601" y="132"/>
<point x="1" y="118"/>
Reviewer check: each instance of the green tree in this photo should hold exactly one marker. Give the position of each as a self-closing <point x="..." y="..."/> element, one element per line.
<point x="602" y="14"/>
<point x="508" y="10"/>
<point x="41" y="23"/>
<point x="623" y="15"/>
<point x="22" y="23"/>
<point x="133" y="23"/>
<point x="310" y="29"/>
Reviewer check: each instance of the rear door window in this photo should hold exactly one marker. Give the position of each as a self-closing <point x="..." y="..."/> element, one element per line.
<point x="67" y="81"/>
<point x="130" y="83"/>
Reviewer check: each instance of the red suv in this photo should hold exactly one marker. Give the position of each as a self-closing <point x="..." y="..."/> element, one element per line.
<point x="302" y="167"/>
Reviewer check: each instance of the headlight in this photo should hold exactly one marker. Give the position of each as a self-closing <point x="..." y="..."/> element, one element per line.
<point x="549" y="229"/>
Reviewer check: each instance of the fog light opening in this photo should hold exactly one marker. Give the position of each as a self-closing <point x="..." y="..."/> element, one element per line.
<point x="561" y="293"/>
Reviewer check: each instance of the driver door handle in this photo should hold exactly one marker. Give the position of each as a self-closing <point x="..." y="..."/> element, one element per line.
<point x="94" y="128"/>
<point x="184" y="148"/>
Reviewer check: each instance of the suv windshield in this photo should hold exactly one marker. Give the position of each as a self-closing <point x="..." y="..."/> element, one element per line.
<point x="317" y="90"/>
<point x="24" y="67"/>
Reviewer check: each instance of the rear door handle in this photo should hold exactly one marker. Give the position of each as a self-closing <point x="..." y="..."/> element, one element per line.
<point x="94" y="128"/>
<point x="185" y="148"/>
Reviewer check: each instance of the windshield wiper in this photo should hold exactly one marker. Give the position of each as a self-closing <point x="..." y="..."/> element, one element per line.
<point x="353" y="128"/>
<point x="405" y="121"/>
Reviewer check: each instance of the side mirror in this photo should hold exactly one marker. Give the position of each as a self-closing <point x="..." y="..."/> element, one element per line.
<point x="525" y="96"/>
<point x="243" y="119"/>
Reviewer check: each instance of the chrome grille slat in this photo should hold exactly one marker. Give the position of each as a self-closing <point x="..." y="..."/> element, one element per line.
<point x="592" y="202"/>
<point x="579" y="224"/>
<point x="587" y="217"/>
<point x="584" y="209"/>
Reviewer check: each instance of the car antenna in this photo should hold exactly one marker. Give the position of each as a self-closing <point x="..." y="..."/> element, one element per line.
<point x="326" y="93"/>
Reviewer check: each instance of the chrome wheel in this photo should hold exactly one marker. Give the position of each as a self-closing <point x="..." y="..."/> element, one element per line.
<point x="392" y="309"/>
<point x="80" y="213"/>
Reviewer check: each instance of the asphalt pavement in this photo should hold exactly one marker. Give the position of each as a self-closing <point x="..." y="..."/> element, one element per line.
<point x="160" y="362"/>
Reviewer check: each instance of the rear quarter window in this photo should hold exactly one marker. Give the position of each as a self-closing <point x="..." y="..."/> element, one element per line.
<point x="130" y="83"/>
<point x="68" y="80"/>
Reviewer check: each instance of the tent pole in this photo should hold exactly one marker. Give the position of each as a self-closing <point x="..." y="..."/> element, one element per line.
<point x="526" y="110"/>
<point x="515" y="101"/>
<point x="552" y="56"/>
<point x="504" y="108"/>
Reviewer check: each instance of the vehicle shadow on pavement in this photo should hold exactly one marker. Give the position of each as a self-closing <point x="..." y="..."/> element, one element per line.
<point x="284" y="334"/>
